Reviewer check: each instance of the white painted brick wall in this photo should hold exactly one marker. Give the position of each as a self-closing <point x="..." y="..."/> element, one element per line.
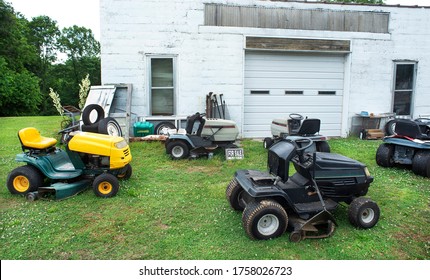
<point x="212" y="58"/>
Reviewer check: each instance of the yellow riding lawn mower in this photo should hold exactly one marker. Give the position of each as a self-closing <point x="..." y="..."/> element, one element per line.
<point x="88" y="159"/>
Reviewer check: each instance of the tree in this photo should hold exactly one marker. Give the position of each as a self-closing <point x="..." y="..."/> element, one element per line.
<point x="19" y="92"/>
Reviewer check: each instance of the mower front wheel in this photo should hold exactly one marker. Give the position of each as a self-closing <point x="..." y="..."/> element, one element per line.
<point x="323" y="147"/>
<point x="177" y="149"/>
<point x="233" y="194"/>
<point x="105" y="185"/>
<point x="267" y="142"/>
<point x="127" y="173"/>
<point x="264" y="220"/>
<point x="363" y="212"/>
<point x="24" y="179"/>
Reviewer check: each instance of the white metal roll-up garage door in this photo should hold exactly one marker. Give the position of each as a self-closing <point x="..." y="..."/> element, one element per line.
<point x="278" y="83"/>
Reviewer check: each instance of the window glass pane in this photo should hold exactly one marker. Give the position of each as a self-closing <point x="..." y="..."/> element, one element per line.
<point x="402" y="102"/>
<point x="260" y="92"/>
<point x="162" y="101"/>
<point x="404" y="76"/>
<point x="162" y="72"/>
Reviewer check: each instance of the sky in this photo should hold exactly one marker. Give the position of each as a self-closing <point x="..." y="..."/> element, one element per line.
<point x="86" y="12"/>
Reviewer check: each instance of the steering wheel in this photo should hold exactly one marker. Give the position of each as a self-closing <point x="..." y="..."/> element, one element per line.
<point x="295" y="116"/>
<point x="305" y="140"/>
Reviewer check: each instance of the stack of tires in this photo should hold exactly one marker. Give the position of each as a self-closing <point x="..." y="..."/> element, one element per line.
<point x="94" y="120"/>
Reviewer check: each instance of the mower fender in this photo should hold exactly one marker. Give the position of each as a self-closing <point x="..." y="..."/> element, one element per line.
<point x="61" y="170"/>
<point x="180" y="137"/>
<point x="253" y="190"/>
<point x="418" y="144"/>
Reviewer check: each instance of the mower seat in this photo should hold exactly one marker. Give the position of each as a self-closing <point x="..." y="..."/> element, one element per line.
<point x="309" y="127"/>
<point x="30" y="138"/>
<point x="410" y="129"/>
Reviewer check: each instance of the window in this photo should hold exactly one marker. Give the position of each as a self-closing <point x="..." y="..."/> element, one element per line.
<point x="260" y="92"/>
<point x="293" y="92"/>
<point x="404" y="84"/>
<point x="327" y="92"/>
<point x="162" y="85"/>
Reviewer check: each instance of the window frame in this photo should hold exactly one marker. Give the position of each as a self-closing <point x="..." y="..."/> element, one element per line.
<point x="149" y="81"/>
<point x="413" y="84"/>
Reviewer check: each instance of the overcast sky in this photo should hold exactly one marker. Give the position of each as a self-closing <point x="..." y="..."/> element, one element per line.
<point x="86" y="12"/>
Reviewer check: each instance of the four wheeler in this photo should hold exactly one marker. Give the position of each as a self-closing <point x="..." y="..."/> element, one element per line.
<point x="88" y="158"/>
<point x="201" y="137"/>
<point x="272" y="201"/>
<point x="410" y="145"/>
<point x="297" y="125"/>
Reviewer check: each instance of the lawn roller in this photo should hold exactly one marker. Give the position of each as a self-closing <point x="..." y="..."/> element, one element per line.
<point x="272" y="201"/>
<point x="201" y="137"/>
<point x="297" y="125"/>
<point x="88" y="159"/>
<point x="409" y="146"/>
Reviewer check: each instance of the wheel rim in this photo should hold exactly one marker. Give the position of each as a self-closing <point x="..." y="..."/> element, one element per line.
<point x="105" y="187"/>
<point x="367" y="215"/>
<point x="112" y="129"/>
<point x="268" y="224"/>
<point x="177" y="151"/>
<point x="21" y="183"/>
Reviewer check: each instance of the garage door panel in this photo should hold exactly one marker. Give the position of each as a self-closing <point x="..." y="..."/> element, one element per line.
<point x="278" y="72"/>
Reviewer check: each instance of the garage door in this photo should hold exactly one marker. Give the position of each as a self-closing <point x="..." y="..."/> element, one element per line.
<point x="277" y="84"/>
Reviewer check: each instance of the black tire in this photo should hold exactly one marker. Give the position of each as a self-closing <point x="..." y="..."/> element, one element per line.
<point x="267" y="142"/>
<point x="87" y="113"/>
<point x="363" y="213"/>
<point x="178" y="149"/>
<point x="109" y="126"/>
<point x="323" y="147"/>
<point x="233" y="194"/>
<point x="90" y="128"/>
<point x="105" y="185"/>
<point x="421" y="163"/>
<point x="127" y="173"/>
<point x="24" y="179"/>
<point x="390" y="127"/>
<point x="384" y="155"/>
<point x="264" y="220"/>
<point x="158" y="130"/>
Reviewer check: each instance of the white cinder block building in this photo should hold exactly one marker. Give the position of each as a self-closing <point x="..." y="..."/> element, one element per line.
<point x="268" y="59"/>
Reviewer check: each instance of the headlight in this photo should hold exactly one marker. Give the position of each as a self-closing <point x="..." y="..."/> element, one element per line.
<point x="121" y="145"/>
<point x="367" y="172"/>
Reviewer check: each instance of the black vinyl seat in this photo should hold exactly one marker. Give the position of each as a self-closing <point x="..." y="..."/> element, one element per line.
<point x="411" y="129"/>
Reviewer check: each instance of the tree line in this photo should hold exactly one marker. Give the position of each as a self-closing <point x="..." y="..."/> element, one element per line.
<point x="30" y="64"/>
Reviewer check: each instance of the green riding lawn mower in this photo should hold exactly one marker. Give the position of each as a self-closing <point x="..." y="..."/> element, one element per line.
<point x="88" y="159"/>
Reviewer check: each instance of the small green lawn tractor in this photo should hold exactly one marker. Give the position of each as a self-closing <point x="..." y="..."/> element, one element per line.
<point x="88" y="158"/>
<point x="272" y="201"/>
<point x="201" y="137"/>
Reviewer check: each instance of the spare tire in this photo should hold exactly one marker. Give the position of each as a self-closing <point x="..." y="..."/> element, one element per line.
<point x="109" y="126"/>
<point x="86" y="114"/>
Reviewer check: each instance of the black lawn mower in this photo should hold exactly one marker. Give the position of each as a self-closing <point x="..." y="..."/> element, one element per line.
<point x="304" y="202"/>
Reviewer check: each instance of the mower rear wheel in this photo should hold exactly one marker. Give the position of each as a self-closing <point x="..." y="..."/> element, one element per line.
<point x="421" y="163"/>
<point x="267" y="142"/>
<point x="161" y="127"/>
<point x="24" y="179"/>
<point x="264" y="220"/>
<point x="105" y="185"/>
<point x="384" y="155"/>
<point x="363" y="212"/>
<point x="323" y="147"/>
<point x="178" y="149"/>
<point x="233" y="194"/>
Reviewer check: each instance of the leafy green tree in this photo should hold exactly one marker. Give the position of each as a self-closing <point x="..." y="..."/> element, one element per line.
<point x="19" y="92"/>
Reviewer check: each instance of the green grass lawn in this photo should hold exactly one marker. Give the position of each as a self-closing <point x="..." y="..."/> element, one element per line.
<point x="177" y="210"/>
